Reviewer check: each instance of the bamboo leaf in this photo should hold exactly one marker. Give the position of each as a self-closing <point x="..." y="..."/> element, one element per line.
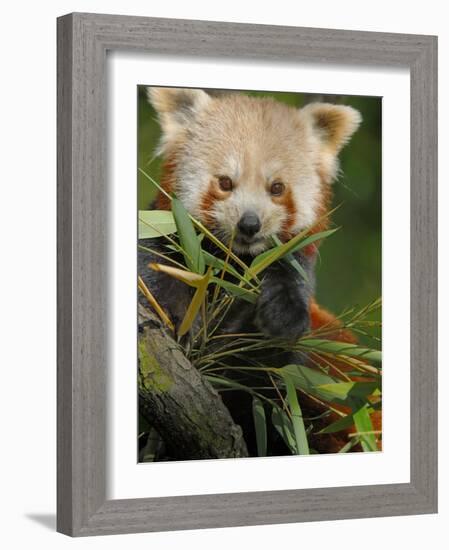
<point x="324" y="386"/>
<point x="218" y="263"/>
<point x="338" y="425"/>
<point x="308" y="379"/>
<point x="297" y="266"/>
<point x="155" y="223"/>
<point x="262" y="261"/>
<point x="236" y="290"/>
<point x="195" y="304"/>
<point x="306" y="376"/>
<point x="340" y="348"/>
<point x="154" y="303"/>
<point x="218" y="243"/>
<point x="289" y="258"/>
<point x="227" y="383"/>
<point x="283" y="425"/>
<point x="299" y="429"/>
<point x="155" y="183"/>
<point x="188" y="238"/>
<point x="262" y="257"/>
<point x="353" y="441"/>
<point x="260" y="425"/>
<point x="313" y="238"/>
<point x="343" y="390"/>
<point x="363" y="424"/>
<point x="187" y="277"/>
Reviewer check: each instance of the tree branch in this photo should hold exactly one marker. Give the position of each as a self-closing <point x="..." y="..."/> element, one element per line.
<point x="181" y="404"/>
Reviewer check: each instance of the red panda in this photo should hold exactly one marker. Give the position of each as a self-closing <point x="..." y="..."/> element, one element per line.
<point x="255" y="168"/>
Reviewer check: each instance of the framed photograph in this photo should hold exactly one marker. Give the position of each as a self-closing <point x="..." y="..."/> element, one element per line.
<point x="247" y="274"/>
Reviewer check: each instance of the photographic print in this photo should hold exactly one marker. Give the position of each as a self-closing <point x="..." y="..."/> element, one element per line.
<point x="259" y="274"/>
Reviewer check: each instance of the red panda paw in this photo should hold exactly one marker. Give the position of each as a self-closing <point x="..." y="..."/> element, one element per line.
<point x="282" y="310"/>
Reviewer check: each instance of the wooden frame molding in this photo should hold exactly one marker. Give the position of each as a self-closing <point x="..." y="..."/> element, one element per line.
<point x="83" y="40"/>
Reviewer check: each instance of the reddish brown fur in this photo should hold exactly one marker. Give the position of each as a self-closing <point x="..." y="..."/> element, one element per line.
<point x="288" y="202"/>
<point x="162" y="202"/>
<point x="322" y="210"/>
<point x="325" y="203"/>
<point x="320" y="318"/>
<point x="213" y="194"/>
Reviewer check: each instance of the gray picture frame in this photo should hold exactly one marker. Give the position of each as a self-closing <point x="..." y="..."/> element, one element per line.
<point x="83" y="42"/>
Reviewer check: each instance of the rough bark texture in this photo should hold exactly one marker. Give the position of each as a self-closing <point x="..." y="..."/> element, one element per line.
<point x="181" y="404"/>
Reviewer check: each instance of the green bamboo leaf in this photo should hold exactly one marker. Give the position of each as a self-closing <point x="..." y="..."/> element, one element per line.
<point x="324" y="386"/>
<point x="262" y="261"/>
<point x="306" y="376"/>
<point x="363" y="424"/>
<point x="262" y="256"/>
<point x="218" y="263"/>
<point x="338" y="425"/>
<point x="155" y="223"/>
<point x="188" y="238"/>
<point x="343" y="390"/>
<point x="187" y="277"/>
<point x="353" y="441"/>
<point x="340" y="348"/>
<point x="265" y="259"/>
<point x="236" y="290"/>
<point x="299" y="429"/>
<point x="345" y="422"/>
<point x="283" y="425"/>
<point x="297" y="266"/>
<point x="209" y="235"/>
<point x="313" y="238"/>
<point x="155" y="183"/>
<point x="226" y="382"/>
<point x="293" y="262"/>
<point x="260" y="424"/>
<point x="308" y="380"/>
<point x="195" y="304"/>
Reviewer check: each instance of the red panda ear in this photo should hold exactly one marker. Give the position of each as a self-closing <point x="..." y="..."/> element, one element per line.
<point x="176" y="108"/>
<point x="334" y="124"/>
<point x="177" y="100"/>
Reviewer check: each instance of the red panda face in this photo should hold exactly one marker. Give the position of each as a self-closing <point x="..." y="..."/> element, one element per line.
<point x="250" y="168"/>
<point x="250" y="192"/>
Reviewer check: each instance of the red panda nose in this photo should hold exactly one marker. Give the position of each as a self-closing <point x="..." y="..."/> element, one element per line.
<point x="249" y="224"/>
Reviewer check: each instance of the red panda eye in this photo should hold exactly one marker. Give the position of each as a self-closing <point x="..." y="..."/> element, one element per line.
<point x="277" y="188"/>
<point x="225" y="183"/>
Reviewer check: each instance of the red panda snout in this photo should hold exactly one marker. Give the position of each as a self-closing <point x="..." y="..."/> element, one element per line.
<point x="249" y="224"/>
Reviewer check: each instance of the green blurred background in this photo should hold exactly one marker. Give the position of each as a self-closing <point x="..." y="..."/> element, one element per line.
<point x="349" y="267"/>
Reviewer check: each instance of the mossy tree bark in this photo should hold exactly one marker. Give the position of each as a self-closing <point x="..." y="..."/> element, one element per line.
<point x="180" y="403"/>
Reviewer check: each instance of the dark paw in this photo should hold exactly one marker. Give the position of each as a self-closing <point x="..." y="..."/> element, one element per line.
<point x="282" y="311"/>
